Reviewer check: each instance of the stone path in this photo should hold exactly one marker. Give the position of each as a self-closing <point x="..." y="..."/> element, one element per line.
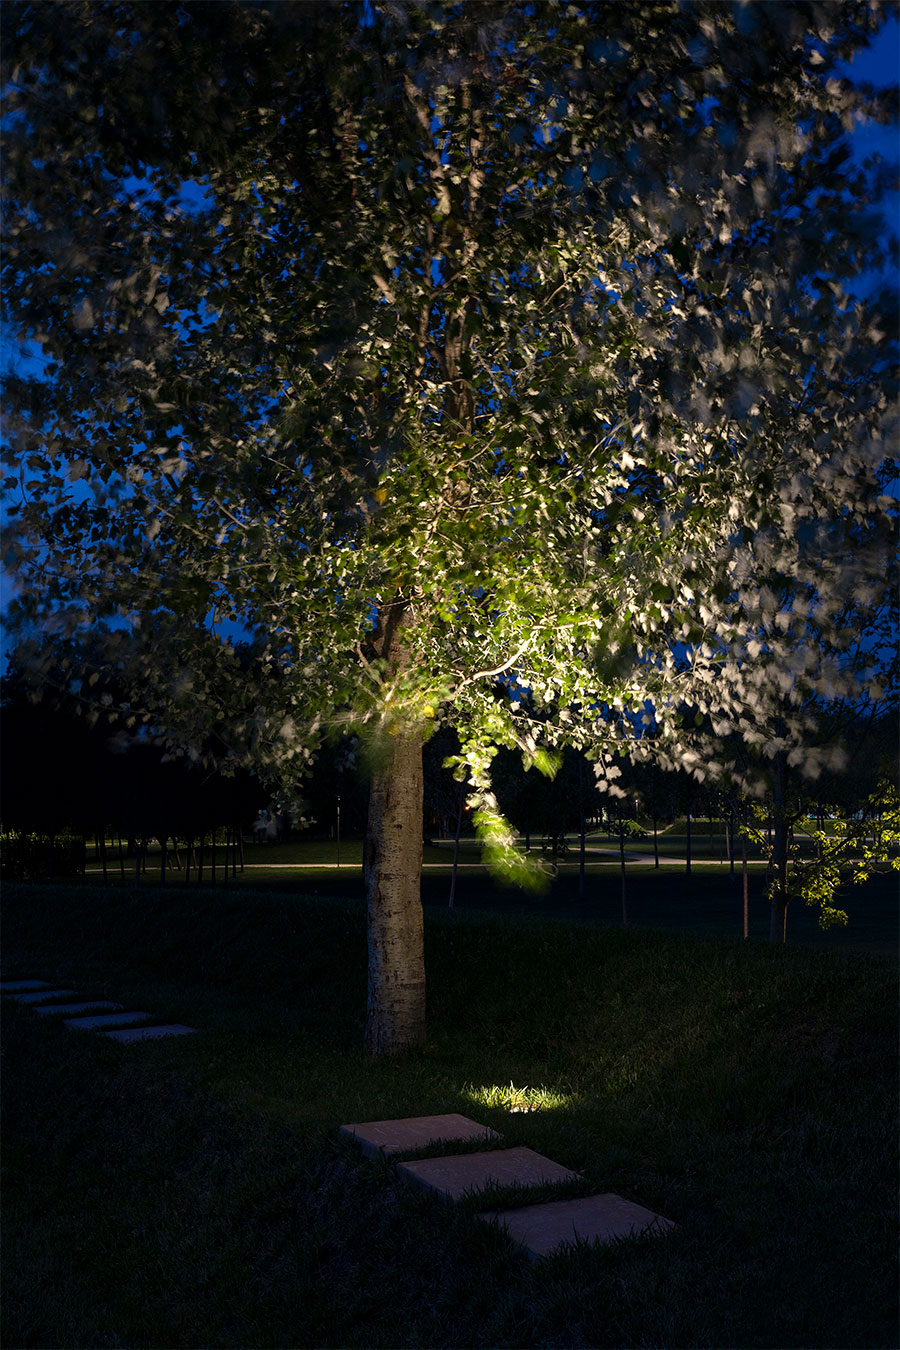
<point x="404" y="1136"/>
<point x="455" y="1176"/>
<point x="105" y="1018"/>
<point x="539" y="1229"/>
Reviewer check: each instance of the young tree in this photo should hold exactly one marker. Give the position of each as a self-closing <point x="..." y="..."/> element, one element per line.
<point x="433" y="346"/>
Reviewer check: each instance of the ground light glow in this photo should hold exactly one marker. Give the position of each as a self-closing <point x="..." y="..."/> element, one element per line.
<point x="516" y="1099"/>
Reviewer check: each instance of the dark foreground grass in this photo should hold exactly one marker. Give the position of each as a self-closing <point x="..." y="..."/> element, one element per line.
<point x="194" y="1192"/>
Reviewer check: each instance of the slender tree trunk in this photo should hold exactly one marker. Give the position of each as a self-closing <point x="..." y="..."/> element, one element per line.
<point x="455" y="867"/>
<point x="101" y="844"/>
<point x="687" y="853"/>
<point x="778" y="917"/>
<point x="395" y="1017"/>
<point x="655" y="843"/>
<point x="162" y="859"/>
<point x="622" y="867"/>
<point x="745" y="871"/>
<point x="581" y="829"/>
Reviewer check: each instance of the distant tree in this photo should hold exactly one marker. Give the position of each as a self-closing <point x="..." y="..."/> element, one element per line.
<point x="846" y="849"/>
<point x="482" y="336"/>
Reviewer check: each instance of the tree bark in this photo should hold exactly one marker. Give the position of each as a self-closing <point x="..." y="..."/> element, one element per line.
<point x="395" y="1017"/>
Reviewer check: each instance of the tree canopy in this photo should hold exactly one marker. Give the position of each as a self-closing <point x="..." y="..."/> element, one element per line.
<point x="489" y="363"/>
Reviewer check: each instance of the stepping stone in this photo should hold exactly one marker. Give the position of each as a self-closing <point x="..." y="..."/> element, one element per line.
<point x="119" y="1019"/>
<point x="148" y="1033"/>
<point x="542" y="1229"/>
<point x="462" y="1172"/>
<point x="43" y="996"/>
<point x="378" y="1137"/>
<point x="17" y="986"/>
<point x="51" y="1009"/>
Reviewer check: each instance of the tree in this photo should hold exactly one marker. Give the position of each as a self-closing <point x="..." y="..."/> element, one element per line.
<point x="807" y="684"/>
<point x="448" y="370"/>
<point x="844" y="853"/>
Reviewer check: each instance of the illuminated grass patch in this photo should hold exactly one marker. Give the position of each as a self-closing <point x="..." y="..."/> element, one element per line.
<point x="511" y="1098"/>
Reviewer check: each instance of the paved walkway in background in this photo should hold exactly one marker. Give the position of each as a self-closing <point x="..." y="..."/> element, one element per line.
<point x="610" y="857"/>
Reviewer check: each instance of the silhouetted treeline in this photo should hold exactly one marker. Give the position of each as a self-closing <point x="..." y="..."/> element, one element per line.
<point x="62" y="773"/>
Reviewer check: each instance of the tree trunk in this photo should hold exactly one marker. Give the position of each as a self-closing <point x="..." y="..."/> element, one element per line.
<point x="687" y="852"/>
<point x="395" y="1018"/>
<point x="622" y="867"/>
<point x="778" y="918"/>
<point x="581" y="828"/>
<point x="745" y="876"/>
<point x="655" y="843"/>
<point x="454" y="869"/>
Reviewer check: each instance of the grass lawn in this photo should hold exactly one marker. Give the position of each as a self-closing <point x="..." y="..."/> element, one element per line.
<point x="195" y="1193"/>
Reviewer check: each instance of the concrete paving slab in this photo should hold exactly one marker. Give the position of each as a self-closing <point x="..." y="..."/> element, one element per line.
<point x="377" y="1137"/>
<point x="148" y="1033"/>
<point x="19" y="986"/>
<point x="119" y="1019"/>
<point x="52" y="1009"/>
<point x="453" y="1176"/>
<point x="43" y="995"/>
<point x="542" y="1229"/>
